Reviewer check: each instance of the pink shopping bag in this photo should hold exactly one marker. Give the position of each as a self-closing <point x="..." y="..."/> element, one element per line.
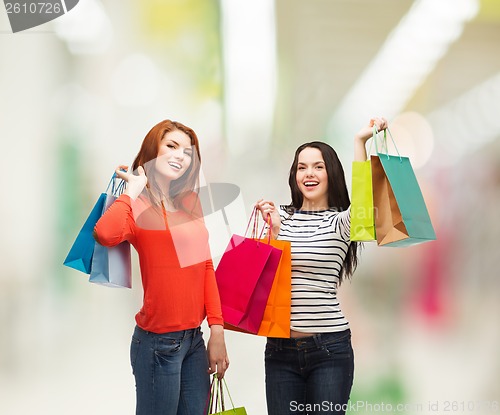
<point x="245" y="276"/>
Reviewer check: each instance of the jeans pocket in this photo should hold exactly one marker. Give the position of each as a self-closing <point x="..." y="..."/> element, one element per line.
<point x="168" y="346"/>
<point x="339" y="349"/>
<point x="134" y="351"/>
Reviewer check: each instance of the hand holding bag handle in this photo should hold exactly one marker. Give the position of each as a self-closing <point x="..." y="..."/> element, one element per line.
<point x="255" y="227"/>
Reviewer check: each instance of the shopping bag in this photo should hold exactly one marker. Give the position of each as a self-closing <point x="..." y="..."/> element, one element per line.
<point x="245" y="276"/>
<point x="112" y="266"/>
<point x="216" y="404"/>
<point x="401" y="217"/>
<point x="80" y="254"/>
<point x="362" y="212"/>
<point x="276" y="318"/>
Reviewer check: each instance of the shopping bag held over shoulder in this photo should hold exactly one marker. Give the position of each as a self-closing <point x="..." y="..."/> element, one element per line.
<point x="112" y="266"/>
<point x="81" y="252"/>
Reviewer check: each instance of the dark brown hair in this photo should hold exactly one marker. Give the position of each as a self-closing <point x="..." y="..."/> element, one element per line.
<point x="338" y="196"/>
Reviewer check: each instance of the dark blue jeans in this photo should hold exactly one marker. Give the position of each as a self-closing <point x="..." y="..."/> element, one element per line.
<point x="310" y="375"/>
<point x="170" y="372"/>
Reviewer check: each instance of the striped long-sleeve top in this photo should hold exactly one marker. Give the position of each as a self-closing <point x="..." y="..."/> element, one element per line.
<point x="319" y="244"/>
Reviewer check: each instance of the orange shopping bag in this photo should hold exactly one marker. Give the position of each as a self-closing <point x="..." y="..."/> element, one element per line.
<point x="276" y="320"/>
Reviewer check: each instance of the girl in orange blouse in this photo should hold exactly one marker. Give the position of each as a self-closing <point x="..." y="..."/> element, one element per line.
<point x="160" y="215"/>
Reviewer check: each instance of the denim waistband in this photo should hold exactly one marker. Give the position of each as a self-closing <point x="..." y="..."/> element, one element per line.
<point x="139" y="332"/>
<point x="313" y="341"/>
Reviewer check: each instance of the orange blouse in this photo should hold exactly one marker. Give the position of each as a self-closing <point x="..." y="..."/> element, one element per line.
<point x="176" y="268"/>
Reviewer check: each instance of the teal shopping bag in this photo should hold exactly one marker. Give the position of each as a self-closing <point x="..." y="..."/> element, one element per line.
<point x="401" y="218"/>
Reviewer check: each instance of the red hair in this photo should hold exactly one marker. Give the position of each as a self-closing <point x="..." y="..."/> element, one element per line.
<point x="184" y="185"/>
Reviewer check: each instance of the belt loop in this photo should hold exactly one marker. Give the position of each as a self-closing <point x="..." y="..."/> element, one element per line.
<point x="317" y="340"/>
<point x="279" y="344"/>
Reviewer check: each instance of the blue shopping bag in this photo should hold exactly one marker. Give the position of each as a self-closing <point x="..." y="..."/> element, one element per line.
<point x="112" y="266"/>
<point x="80" y="255"/>
<point x="81" y="252"/>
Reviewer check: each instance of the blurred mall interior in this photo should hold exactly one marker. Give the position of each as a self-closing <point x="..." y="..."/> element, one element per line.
<point x="254" y="79"/>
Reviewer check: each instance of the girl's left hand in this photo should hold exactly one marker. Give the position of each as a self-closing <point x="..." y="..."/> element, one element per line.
<point x="218" y="360"/>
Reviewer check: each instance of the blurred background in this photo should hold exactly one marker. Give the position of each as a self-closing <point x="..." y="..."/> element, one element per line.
<point x="254" y="79"/>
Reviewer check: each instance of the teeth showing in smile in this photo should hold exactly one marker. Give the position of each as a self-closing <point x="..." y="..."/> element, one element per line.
<point x="175" y="165"/>
<point x="308" y="184"/>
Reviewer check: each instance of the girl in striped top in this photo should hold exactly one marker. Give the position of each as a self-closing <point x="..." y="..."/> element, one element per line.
<point x="312" y="372"/>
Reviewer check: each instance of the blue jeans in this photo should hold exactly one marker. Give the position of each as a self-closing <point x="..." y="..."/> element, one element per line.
<point x="310" y="375"/>
<point x="170" y="372"/>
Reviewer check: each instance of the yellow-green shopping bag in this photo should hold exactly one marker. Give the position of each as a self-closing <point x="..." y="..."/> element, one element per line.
<point x="215" y="402"/>
<point x="362" y="217"/>
<point x="363" y="211"/>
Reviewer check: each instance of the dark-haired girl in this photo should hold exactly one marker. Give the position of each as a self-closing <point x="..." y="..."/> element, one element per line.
<point x="312" y="372"/>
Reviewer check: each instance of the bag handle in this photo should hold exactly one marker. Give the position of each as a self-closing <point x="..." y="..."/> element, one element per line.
<point x="116" y="189"/>
<point x="217" y="396"/>
<point x="209" y="405"/>
<point x="255" y="216"/>
<point x="252" y="216"/>
<point x="268" y="222"/>
<point x="374" y="140"/>
<point x="222" y="407"/>
<point x="228" y="394"/>
<point x="384" y="141"/>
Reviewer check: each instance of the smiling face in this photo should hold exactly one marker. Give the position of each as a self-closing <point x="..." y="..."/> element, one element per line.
<point x="312" y="179"/>
<point x="174" y="155"/>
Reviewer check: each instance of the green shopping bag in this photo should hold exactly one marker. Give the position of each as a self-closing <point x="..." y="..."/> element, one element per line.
<point x="216" y="400"/>
<point x="362" y="218"/>
<point x="401" y="216"/>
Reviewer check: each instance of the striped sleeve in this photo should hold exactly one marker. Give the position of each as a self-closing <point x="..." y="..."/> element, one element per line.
<point x="341" y="223"/>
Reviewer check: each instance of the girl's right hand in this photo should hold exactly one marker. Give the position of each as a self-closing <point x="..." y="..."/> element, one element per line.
<point x="267" y="209"/>
<point x="135" y="183"/>
<point x="364" y="135"/>
<point x="366" y="132"/>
